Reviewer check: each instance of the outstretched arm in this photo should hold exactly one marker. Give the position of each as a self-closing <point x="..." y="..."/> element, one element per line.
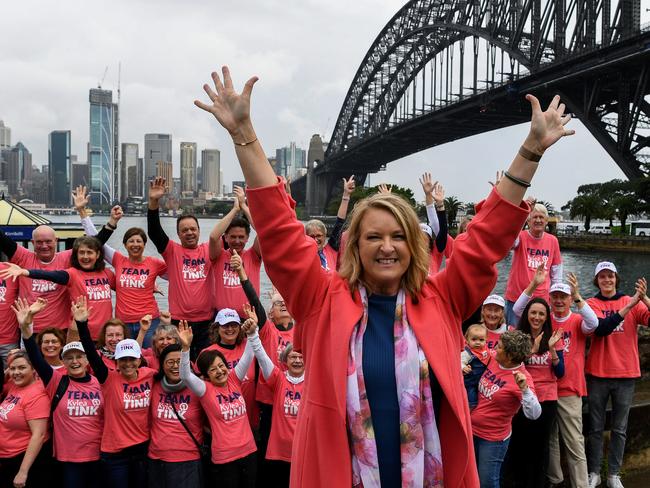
<point x="80" y="314"/>
<point x="194" y="383"/>
<point x="216" y="246"/>
<point x="158" y="236"/>
<point x="13" y="271"/>
<point x="25" y="315"/>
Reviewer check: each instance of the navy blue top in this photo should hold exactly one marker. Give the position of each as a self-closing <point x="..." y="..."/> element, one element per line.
<point x="381" y="386"/>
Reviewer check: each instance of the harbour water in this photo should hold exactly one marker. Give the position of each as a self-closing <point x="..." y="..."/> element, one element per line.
<point x="582" y="263"/>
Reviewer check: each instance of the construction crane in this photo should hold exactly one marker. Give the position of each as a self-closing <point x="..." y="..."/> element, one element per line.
<point x="99" y="85"/>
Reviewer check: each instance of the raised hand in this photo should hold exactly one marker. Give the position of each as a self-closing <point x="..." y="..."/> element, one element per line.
<point x="38" y="306"/>
<point x="241" y="196"/>
<point x="546" y="127"/>
<point x="185" y="335"/>
<point x="540" y="275"/>
<point x="145" y="322"/>
<point x="640" y="290"/>
<point x="497" y="179"/>
<point x="348" y="186"/>
<point x="385" y="189"/>
<point x="80" y="309"/>
<point x="235" y="261"/>
<point x="157" y="188"/>
<point x="536" y="343"/>
<point x="116" y="214"/>
<point x="520" y="379"/>
<point x="230" y="108"/>
<point x="80" y="197"/>
<point x="23" y="314"/>
<point x="250" y="324"/>
<point x="428" y="185"/>
<point x="555" y="337"/>
<point x="439" y="196"/>
<point x="165" y="317"/>
<point x="13" y="271"/>
<point x="572" y="279"/>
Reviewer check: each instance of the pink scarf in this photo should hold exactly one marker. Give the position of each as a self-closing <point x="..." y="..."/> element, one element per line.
<point x="420" y="454"/>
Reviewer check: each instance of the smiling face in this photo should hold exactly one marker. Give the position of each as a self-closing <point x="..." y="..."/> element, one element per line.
<point x="163" y="340"/>
<point x="279" y="313"/>
<point x="606" y="280"/>
<point x="492" y="315"/>
<point x="218" y="372"/>
<point x="537" y="222"/>
<point x="316" y="233"/>
<point x="171" y="366"/>
<point x="21" y="372"/>
<point x="113" y="335"/>
<point x="228" y="333"/>
<point x="44" y="241"/>
<point x="236" y="238"/>
<point x="295" y="364"/>
<point x="75" y="363"/>
<point x="383" y="251"/>
<point x="128" y="367"/>
<point x="135" y="246"/>
<point x="87" y="257"/>
<point x="188" y="233"/>
<point x="51" y="347"/>
<point x="536" y="317"/>
<point x="560" y="303"/>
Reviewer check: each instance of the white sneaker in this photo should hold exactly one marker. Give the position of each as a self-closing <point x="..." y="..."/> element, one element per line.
<point x="594" y="480"/>
<point x="614" y="481"/>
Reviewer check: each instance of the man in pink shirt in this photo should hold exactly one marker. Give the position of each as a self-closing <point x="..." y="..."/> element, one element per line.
<point x="533" y="247"/>
<point x="43" y="257"/>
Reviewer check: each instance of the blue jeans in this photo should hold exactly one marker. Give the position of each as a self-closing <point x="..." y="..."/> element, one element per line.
<point x="80" y="475"/>
<point x="126" y="468"/>
<point x="134" y="328"/>
<point x="164" y="474"/>
<point x="489" y="458"/>
<point x="511" y="318"/>
<point x="621" y="390"/>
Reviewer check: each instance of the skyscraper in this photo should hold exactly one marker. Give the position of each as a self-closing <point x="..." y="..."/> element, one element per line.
<point x="164" y="169"/>
<point x="157" y="147"/>
<point x="18" y="171"/>
<point x="289" y="159"/>
<point x="131" y="179"/>
<point x="188" y="167"/>
<point x="211" y="167"/>
<point x="102" y="148"/>
<point x="59" y="168"/>
<point x="5" y="136"/>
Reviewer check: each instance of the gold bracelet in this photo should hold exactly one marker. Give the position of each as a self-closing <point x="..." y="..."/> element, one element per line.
<point x="529" y="155"/>
<point x="244" y="143"/>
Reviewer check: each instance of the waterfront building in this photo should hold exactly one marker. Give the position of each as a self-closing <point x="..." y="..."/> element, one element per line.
<point x="211" y="167"/>
<point x="157" y="147"/>
<point x="131" y="178"/>
<point x="5" y="136"/>
<point x="59" y="168"/>
<point x="165" y="169"/>
<point x="289" y="159"/>
<point x="188" y="167"/>
<point x="102" y="147"/>
<point x="18" y="169"/>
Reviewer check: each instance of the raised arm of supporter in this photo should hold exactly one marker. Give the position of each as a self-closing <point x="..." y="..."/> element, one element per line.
<point x="193" y="382"/>
<point x="145" y="325"/>
<point x="215" y="243"/>
<point x="254" y="347"/>
<point x="80" y="201"/>
<point x="334" y="240"/>
<point x="589" y="317"/>
<point x="7" y="245"/>
<point x="498" y="221"/>
<point x="80" y="314"/>
<point x="241" y="198"/>
<point x="157" y="189"/>
<point x="428" y="185"/>
<point x="557" y="355"/>
<point x="25" y="315"/>
<point x="104" y="233"/>
<point x="441" y="235"/>
<point x="14" y="271"/>
<point x="247" y="286"/>
<point x="529" y="402"/>
<point x="73" y="332"/>
<point x="38" y="430"/>
<point x="607" y="325"/>
<point x="269" y="203"/>
<point x="538" y="278"/>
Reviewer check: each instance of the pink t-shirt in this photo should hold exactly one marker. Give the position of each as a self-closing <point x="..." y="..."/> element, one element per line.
<point x="78" y="419"/>
<point x="226" y="411"/>
<point x="286" y="403"/>
<point x="499" y="399"/>
<point x="170" y="442"/>
<point x="8" y="323"/>
<point x="57" y="312"/>
<point x="126" y="410"/>
<point x="227" y="287"/>
<point x="248" y="383"/>
<point x="191" y="295"/>
<point x="493" y="336"/>
<point x="20" y="405"/>
<point x="529" y="254"/>
<point x="97" y="286"/>
<point x="436" y="256"/>
<point x="134" y="285"/>
<point x="573" y="382"/>
<point x="616" y="355"/>
<point x="540" y="367"/>
<point x="149" y="356"/>
<point x="274" y="341"/>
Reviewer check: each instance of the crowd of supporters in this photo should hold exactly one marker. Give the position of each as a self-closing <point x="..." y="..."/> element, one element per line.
<point x="101" y="386"/>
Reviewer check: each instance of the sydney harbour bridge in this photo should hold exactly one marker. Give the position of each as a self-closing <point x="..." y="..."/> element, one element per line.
<point x="442" y="70"/>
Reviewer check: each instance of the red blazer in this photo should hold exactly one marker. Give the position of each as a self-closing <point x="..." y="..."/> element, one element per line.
<point x="326" y="311"/>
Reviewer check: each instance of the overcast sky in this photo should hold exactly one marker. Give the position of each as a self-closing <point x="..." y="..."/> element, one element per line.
<point x="305" y="52"/>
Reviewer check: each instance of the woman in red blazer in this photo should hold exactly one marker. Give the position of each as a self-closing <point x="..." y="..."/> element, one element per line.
<point x="384" y="402"/>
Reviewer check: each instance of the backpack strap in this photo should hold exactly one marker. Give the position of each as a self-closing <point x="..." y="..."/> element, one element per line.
<point x="60" y="391"/>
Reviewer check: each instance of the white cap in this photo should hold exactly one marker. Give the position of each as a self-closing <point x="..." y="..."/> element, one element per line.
<point x="426" y="229"/>
<point x="226" y="316"/>
<point x="605" y="265"/>
<point x="127" y="348"/>
<point x="561" y="287"/>
<point x="73" y="346"/>
<point x="495" y="300"/>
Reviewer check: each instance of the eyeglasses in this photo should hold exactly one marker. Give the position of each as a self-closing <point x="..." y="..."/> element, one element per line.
<point x="229" y="325"/>
<point x="172" y="362"/>
<point x="278" y="303"/>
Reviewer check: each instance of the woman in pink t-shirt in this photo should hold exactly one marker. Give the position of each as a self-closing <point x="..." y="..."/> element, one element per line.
<point x="24" y="414"/>
<point x="112" y="332"/>
<point x="166" y="334"/>
<point x="51" y="341"/>
<point x="176" y="426"/>
<point x="87" y="276"/>
<point x="234" y="460"/>
<point x="528" y="462"/>
<point x="77" y="400"/>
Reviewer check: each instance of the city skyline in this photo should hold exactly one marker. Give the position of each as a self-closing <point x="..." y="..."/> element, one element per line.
<point x="301" y="89"/>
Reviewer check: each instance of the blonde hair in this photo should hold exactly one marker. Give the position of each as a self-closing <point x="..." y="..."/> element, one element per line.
<point x="351" y="268"/>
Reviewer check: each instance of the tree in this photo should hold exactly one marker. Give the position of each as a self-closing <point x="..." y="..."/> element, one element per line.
<point x="452" y="206"/>
<point x="587" y="205"/>
<point x="361" y="192"/>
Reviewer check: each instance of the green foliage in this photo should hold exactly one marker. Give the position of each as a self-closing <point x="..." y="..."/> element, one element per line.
<point x="452" y="206"/>
<point x="361" y="192"/>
